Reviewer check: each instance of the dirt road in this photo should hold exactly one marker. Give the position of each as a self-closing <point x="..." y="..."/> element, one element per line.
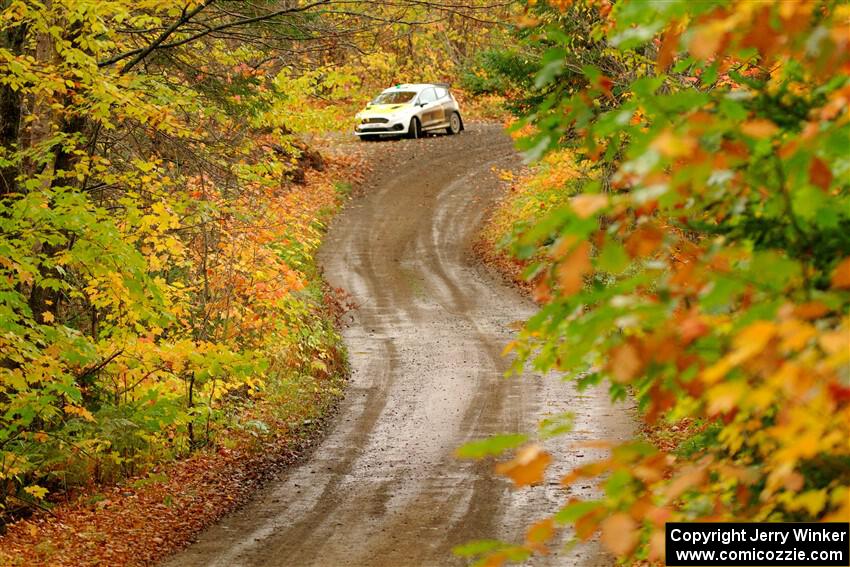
<point x="383" y="488"/>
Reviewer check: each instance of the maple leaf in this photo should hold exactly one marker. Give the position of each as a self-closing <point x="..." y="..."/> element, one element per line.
<point x="38" y="492"/>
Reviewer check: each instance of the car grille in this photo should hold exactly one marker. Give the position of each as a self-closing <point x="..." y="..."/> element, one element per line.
<point x="374" y="121"/>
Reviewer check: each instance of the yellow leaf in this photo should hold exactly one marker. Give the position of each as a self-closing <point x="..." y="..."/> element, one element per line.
<point x="834" y="342"/>
<point x="751" y="341"/>
<point x="812" y="501"/>
<point x="36" y="491"/>
<point x="80" y="411"/>
<point x="527" y="467"/>
<point x="47" y="317"/>
<point x="724" y="397"/>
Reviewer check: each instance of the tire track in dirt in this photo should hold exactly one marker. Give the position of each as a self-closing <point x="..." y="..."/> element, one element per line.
<point x="383" y="489"/>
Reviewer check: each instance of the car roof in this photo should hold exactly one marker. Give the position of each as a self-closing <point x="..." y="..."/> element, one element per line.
<point x="416" y="87"/>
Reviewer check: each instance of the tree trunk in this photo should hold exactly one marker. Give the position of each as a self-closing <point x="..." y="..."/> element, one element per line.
<point x="11" y="39"/>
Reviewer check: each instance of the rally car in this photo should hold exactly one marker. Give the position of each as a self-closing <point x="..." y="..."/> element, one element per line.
<point x="410" y="110"/>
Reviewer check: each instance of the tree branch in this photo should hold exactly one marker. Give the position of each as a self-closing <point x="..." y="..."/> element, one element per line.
<point x="143" y="52"/>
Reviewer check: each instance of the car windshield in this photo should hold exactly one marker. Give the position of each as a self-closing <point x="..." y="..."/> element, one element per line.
<point x="394" y="97"/>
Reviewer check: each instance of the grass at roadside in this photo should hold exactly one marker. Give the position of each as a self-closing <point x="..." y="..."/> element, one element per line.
<point x="531" y="195"/>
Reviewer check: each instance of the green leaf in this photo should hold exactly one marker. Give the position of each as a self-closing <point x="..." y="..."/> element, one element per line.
<point x="613" y="258"/>
<point x="572" y="512"/>
<point x="479" y="547"/>
<point x="557" y="425"/>
<point x="491" y="446"/>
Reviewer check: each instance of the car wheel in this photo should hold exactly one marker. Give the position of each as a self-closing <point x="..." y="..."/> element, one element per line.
<point x="454" y="124"/>
<point x="415" y="129"/>
<point x="369" y="138"/>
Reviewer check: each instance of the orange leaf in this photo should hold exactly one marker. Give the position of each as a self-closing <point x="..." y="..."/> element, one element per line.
<point x="541" y="293"/>
<point x="571" y="270"/>
<point x="692" y="328"/>
<point x="539" y="533"/>
<point x="626" y="362"/>
<point x="841" y="274"/>
<point x="811" y="310"/>
<point x="669" y="46"/>
<point x="657" y="546"/>
<point x="47" y="317"/>
<point x="689" y="478"/>
<point x="586" y="204"/>
<point x="644" y="241"/>
<point x="761" y="35"/>
<point x="527" y="467"/>
<point x="672" y="145"/>
<point x="587" y="524"/>
<point x="619" y="533"/>
<point x="706" y="42"/>
<point x="820" y="174"/>
<point x="759" y="128"/>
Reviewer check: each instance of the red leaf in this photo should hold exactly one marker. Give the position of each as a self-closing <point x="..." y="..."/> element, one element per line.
<point x="820" y="174"/>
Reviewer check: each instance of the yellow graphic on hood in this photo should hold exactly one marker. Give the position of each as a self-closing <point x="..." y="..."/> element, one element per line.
<point x="381" y="109"/>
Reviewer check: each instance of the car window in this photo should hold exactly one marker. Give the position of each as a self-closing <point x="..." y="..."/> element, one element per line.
<point x="441" y="92"/>
<point x="394" y="97"/>
<point x="427" y="95"/>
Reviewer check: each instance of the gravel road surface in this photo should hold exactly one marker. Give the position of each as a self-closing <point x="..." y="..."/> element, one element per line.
<point x="383" y="489"/>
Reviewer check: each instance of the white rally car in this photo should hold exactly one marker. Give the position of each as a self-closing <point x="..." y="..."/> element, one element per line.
<point x="410" y="110"/>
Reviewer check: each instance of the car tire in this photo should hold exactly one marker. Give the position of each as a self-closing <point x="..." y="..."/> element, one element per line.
<point x="368" y="138"/>
<point x="414" y="131"/>
<point x="455" y="125"/>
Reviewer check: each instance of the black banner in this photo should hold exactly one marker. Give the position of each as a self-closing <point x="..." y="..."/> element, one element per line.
<point x="761" y="544"/>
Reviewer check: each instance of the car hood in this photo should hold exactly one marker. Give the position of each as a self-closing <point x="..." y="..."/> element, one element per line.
<point x="381" y="109"/>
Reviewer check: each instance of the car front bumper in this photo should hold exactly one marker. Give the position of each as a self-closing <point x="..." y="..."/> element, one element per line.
<point x="386" y="128"/>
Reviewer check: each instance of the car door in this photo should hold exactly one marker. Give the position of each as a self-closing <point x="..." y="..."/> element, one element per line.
<point x="445" y="102"/>
<point x="431" y="110"/>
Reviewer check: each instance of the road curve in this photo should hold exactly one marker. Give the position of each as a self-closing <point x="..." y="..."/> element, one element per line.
<point x="383" y="489"/>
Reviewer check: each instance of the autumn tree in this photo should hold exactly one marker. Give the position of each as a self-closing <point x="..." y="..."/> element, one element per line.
<point x="702" y="264"/>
